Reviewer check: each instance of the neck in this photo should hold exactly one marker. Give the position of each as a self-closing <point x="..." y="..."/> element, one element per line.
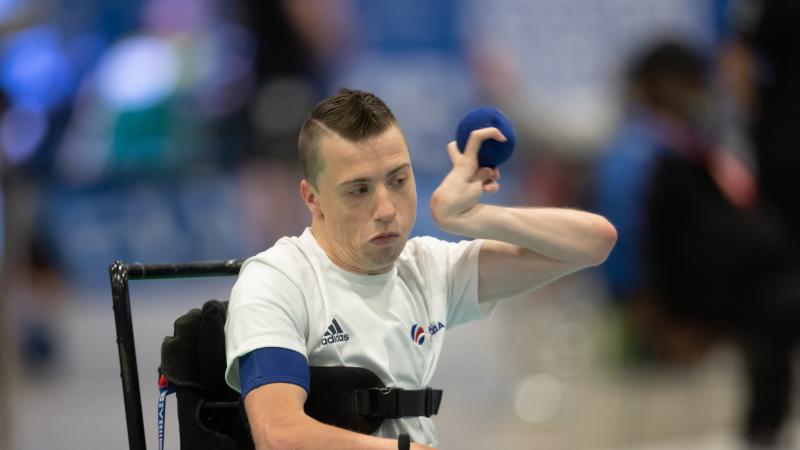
<point x="339" y="258"/>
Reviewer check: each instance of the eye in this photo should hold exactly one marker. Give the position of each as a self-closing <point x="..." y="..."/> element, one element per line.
<point x="358" y="191"/>
<point x="399" y="181"/>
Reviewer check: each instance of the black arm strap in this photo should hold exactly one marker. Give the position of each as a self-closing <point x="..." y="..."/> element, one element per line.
<point x="394" y="403"/>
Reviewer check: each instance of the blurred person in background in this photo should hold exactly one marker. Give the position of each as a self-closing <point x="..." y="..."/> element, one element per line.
<point x="37" y="78"/>
<point x="296" y="47"/>
<point x="700" y="254"/>
<point x="123" y="134"/>
<point x="103" y="160"/>
<point x="191" y="146"/>
<point x="767" y="41"/>
<point x="761" y="58"/>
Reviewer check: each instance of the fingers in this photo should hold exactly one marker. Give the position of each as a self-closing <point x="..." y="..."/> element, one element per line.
<point x="491" y="186"/>
<point x="452" y="151"/>
<point x="477" y="137"/>
<point x="473" y="146"/>
<point x="468" y="167"/>
<point x="488" y="178"/>
<point x="486" y="173"/>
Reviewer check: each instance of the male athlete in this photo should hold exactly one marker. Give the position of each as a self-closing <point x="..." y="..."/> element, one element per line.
<point x="353" y="290"/>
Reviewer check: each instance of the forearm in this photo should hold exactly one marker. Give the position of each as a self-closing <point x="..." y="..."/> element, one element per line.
<point x="278" y="422"/>
<point x="562" y="234"/>
<point x="300" y="433"/>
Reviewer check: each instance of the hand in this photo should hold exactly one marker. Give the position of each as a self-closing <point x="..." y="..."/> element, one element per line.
<point x="461" y="189"/>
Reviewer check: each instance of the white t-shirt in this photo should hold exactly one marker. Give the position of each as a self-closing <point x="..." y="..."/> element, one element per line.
<point x="292" y="296"/>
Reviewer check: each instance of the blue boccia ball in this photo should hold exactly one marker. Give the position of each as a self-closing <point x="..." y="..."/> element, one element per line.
<point x="492" y="152"/>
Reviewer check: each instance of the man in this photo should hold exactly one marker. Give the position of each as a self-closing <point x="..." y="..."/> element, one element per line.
<point x="726" y="265"/>
<point x="351" y="287"/>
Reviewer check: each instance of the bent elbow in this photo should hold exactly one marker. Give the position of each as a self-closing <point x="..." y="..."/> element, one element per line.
<point x="606" y="238"/>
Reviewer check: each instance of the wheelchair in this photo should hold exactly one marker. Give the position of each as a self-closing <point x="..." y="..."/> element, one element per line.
<point x="210" y="413"/>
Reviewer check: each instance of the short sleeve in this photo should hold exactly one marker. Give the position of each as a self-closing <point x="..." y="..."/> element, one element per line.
<point x="266" y="310"/>
<point x="457" y="265"/>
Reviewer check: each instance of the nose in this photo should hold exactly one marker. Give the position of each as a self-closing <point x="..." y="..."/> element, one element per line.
<point x="385" y="208"/>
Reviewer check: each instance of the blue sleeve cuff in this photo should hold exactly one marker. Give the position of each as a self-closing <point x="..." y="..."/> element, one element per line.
<point x="273" y="365"/>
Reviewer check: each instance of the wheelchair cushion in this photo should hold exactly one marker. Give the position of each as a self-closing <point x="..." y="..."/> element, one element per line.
<point x="180" y="356"/>
<point x="211" y="347"/>
<point x="210" y="414"/>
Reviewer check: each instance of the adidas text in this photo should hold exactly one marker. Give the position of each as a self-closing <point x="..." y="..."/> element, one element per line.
<point x="336" y="338"/>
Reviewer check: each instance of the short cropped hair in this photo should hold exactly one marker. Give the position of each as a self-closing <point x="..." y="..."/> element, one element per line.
<point x="351" y="114"/>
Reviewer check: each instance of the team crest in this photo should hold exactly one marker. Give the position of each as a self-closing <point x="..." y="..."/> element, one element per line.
<point x="418" y="334"/>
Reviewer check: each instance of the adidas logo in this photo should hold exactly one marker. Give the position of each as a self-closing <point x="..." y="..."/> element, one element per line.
<point x="334" y="334"/>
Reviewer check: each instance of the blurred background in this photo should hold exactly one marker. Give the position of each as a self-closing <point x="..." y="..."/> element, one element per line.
<point x="164" y="131"/>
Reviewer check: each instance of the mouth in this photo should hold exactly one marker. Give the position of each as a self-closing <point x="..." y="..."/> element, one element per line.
<point x="382" y="239"/>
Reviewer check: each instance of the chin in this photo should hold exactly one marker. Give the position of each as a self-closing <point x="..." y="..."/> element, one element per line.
<point x="387" y="256"/>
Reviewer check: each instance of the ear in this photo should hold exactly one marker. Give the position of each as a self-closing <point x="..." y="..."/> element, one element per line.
<point x="310" y="198"/>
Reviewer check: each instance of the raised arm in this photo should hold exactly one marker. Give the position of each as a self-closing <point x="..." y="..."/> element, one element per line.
<point x="525" y="248"/>
<point x="278" y="422"/>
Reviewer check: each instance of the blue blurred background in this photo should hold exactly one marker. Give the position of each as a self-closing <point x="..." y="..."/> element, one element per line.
<point x="165" y="130"/>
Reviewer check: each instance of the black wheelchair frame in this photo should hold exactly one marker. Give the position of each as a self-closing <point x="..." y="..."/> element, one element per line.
<point x="120" y="274"/>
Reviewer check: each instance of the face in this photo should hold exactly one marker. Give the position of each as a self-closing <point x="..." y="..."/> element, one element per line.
<point x="365" y="201"/>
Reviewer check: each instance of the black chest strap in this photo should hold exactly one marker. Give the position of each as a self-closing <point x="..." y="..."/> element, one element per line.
<point x="356" y="399"/>
<point x="393" y="403"/>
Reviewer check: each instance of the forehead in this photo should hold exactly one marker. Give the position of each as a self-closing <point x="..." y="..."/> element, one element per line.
<point x="369" y="158"/>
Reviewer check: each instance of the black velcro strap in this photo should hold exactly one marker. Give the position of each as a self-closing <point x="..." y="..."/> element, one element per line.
<point x="403" y="442"/>
<point x="394" y="403"/>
